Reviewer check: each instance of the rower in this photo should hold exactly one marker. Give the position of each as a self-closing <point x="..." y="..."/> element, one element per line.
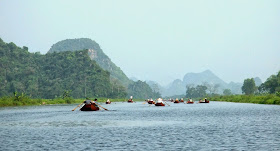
<point x="191" y="100"/>
<point x="108" y="101"/>
<point x="159" y="100"/>
<point x="88" y="101"/>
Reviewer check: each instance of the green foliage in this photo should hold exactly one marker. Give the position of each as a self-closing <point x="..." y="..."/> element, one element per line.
<point x="258" y="99"/>
<point x="249" y="86"/>
<point x="48" y="76"/>
<point x="95" y="53"/>
<point x="227" y="92"/>
<point x="271" y="85"/>
<point x="195" y="92"/>
<point x="141" y="90"/>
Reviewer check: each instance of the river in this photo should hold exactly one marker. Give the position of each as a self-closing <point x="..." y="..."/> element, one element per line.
<point x="138" y="126"/>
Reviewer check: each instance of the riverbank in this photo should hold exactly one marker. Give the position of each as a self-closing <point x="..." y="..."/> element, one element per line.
<point x="257" y="99"/>
<point x="23" y="100"/>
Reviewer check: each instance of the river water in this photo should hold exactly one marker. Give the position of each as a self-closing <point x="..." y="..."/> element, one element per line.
<point x="138" y="126"/>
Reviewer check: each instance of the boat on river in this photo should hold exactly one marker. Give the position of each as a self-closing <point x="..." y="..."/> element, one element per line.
<point x="190" y="102"/>
<point x="159" y="104"/>
<point x="89" y="107"/>
<point x="108" y="102"/>
<point x="176" y="101"/>
<point x="130" y="101"/>
<point x="151" y="102"/>
<point x="204" y="102"/>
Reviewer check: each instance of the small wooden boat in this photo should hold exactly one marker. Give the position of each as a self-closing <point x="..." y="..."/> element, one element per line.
<point x="204" y="102"/>
<point x="176" y="101"/>
<point x="89" y="107"/>
<point x="130" y="101"/>
<point x="159" y="104"/>
<point x="151" y="102"/>
<point x="108" y="102"/>
<point x="190" y="102"/>
<point x="182" y="101"/>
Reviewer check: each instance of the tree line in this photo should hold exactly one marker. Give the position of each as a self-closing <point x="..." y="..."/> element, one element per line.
<point x="270" y="86"/>
<point x="52" y="75"/>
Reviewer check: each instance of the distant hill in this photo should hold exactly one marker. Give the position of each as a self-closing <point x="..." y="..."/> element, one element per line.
<point x="203" y="77"/>
<point x="49" y="76"/>
<point x="136" y="88"/>
<point x="133" y="79"/>
<point x="95" y="53"/>
<point x="208" y="78"/>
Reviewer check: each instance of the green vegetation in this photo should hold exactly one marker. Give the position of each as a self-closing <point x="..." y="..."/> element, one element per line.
<point x="95" y="53"/>
<point x="22" y="99"/>
<point x="141" y="89"/>
<point x="259" y="99"/>
<point x="49" y="76"/>
<point x="59" y="77"/>
<point x="249" y="86"/>
<point x="196" y="92"/>
<point x="271" y="85"/>
<point x="227" y="92"/>
<point x="267" y="93"/>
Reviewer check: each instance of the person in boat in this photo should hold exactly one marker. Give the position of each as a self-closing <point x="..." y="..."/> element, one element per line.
<point x="190" y="100"/>
<point x="205" y="100"/>
<point x="159" y="100"/>
<point x="88" y="101"/>
<point x="108" y="101"/>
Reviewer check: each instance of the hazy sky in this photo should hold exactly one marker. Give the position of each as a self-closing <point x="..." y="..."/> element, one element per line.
<point x="158" y="40"/>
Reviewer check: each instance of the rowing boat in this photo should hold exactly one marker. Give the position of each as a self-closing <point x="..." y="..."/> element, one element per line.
<point x="89" y="107"/>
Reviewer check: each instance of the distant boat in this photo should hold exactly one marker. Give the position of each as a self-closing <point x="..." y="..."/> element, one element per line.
<point x="130" y="101"/>
<point x="205" y="101"/>
<point x="159" y="104"/>
<point x="176" y="101"/>
<point x="190" y="102"/>
<point x="151" y="102"/>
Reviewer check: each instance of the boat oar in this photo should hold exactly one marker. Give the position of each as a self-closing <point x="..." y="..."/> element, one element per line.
<point x="166" y="103"/>
<point x="77" y="106"/>
<point x="102" y="107"/>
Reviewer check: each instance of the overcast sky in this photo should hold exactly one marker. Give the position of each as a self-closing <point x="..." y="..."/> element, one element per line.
<point x="158" y="40"/>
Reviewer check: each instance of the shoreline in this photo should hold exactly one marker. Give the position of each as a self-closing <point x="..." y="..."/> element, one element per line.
<point x="255" y="99"/>
<point x="24" y="101"/>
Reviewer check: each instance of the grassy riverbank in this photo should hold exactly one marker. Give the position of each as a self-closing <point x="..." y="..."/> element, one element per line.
<point x="257" y="99"/>
<point x="24" y="100"/>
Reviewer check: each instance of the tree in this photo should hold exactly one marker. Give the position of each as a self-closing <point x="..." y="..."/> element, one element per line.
<point x="198" y="91"/>
<point x="227" y="92"/>
<point x="249" y="86"/>
<point x="271" y="85"/>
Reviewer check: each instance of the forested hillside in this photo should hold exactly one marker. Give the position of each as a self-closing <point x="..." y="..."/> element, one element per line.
<point x="95" y="53"/>
<point x="137" y="89"/>
<point x="50" y="75"/>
